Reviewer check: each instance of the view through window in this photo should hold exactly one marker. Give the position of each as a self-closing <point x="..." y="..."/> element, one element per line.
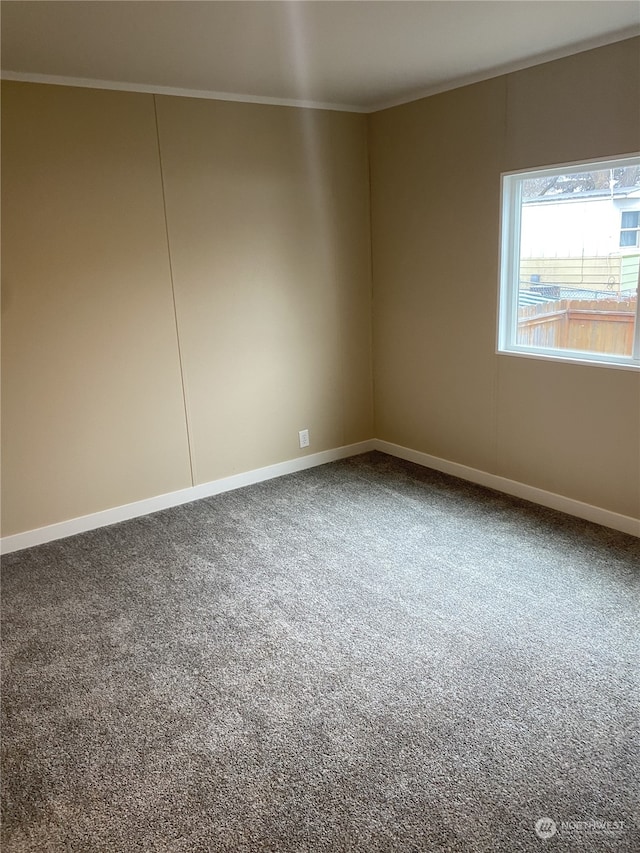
<point x="570" y="262"/>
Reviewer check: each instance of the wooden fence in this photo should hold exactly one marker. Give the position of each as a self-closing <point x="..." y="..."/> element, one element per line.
<point x="600" y="325"/>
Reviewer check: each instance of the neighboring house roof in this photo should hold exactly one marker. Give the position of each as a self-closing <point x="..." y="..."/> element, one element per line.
<point x="596" y="195"/>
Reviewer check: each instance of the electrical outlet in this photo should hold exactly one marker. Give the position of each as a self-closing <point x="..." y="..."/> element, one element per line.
<point x="303" y="435"/>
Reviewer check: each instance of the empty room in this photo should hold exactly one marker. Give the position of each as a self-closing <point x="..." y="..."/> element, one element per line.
<point x="320" y="426"/>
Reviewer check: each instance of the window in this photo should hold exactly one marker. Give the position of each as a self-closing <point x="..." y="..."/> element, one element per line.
<point x="629" y="228"/>
<point x="570" y="261"/>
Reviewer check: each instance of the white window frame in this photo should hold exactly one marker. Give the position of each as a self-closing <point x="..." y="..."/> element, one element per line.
<point x="511" y="206"/>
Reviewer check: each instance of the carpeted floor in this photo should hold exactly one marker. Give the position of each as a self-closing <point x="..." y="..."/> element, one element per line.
<point x="367" y="656"/>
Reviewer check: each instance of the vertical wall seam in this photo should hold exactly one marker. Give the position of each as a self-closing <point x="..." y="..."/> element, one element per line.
<point x="496" y="384"/>
<point x="372" y="381"/>
<point x="173" y="296"/>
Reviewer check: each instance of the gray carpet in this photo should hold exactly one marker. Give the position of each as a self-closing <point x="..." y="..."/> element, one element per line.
<point x="367" y="656"/>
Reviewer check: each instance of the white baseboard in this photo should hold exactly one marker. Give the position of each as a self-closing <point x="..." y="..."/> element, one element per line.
<point x="29" y="538"/>
<point x="624" y="523"/>
<point x="134" y="510"/>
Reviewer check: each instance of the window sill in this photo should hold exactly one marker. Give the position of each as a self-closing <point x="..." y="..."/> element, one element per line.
<point x="589" y="362"/>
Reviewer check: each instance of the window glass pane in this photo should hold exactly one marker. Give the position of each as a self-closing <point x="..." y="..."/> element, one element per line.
<point x="578" y="271"/>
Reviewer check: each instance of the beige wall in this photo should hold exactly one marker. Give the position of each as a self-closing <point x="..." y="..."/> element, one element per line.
<point x="187" y="283"/>
<point x="268" y="220"/>
<point x="92" y="413"/>
<point x="268" y="230"/>
<point x="439" y="386"/>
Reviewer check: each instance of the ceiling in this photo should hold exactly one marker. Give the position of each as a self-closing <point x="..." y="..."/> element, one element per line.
<point x="358" y="55"/>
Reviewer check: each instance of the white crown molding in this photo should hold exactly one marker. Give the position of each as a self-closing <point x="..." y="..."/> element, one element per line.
<point x="119" y="86"/>
<point x="417" y="95"/>
<point x="605" y="517"/>
<point x="509" y="68"/>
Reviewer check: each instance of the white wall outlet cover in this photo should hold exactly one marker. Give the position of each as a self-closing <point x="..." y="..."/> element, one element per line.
<point x="303" y="436"/>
